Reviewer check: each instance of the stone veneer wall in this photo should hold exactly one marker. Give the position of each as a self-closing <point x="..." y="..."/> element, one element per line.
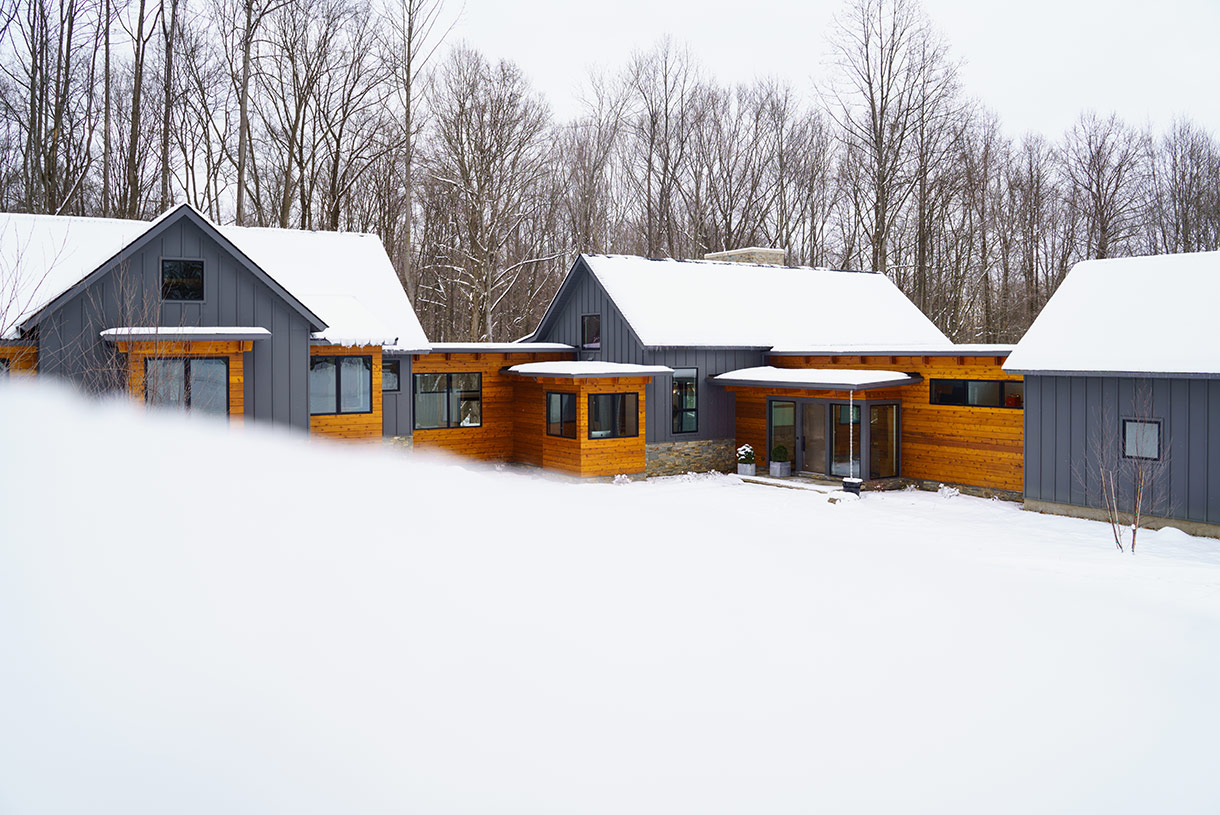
<point x="675" y="458"/>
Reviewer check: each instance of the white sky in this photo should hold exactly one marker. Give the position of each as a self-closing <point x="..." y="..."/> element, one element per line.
<point x="1037" y="63"/>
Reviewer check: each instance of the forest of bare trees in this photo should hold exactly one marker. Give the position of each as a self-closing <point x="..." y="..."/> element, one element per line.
<point x="362" y="115"/>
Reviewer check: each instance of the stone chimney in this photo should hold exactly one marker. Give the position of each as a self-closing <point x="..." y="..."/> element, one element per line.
<point x="752" y="254"/>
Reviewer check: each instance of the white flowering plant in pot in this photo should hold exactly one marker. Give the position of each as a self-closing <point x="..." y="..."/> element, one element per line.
<point x="745" y="460"/>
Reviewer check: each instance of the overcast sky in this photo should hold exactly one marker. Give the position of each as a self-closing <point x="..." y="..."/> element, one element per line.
<point x="1037" y="63"/>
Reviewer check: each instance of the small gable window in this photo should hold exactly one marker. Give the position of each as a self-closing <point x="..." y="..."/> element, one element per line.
<point x="591" y="332"/>
<point x="182" y="280"/>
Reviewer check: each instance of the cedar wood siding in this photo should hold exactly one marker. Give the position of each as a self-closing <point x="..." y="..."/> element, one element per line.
<point x="1066" y="415"/>
<point x="583" y="294"/>
<point x="493" y="439"/>
<point x="277" y="369"/>
<point x="975" y="446"/>
<point x="396" y="406"/>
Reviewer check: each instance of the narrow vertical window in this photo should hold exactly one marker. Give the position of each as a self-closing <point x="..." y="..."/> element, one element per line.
<point x="685" y="400"/>
<point x="389" y="375"/>
<point x="591" y="332"/>
<point x="561" y="415"/>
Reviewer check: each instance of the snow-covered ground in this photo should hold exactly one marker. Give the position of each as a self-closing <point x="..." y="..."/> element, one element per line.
<point x="200" y="620"/>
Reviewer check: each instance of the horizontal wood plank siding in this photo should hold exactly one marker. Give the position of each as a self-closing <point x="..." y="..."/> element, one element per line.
<point x="138" y="353"/>
<point x="351" y="426"/>
<point x="21" y="359"/>
<point x="976" y="446"/>
<point x="580" y="456"/>
<point x="494" y="439"/>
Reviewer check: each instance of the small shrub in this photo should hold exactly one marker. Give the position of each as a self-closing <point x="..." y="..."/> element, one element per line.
<point x="779" y="453"/>
<point x="745" y="454"/>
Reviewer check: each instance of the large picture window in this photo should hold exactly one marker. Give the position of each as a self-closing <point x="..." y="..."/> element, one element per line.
<point x="994" y="393"/>
<point x="614" y="415"/>
<point x="561" y="415"/>
<point x="686" y="400"/>
<point x="591" y="332"/>
<point x="182" y="280"/>
<point x="448" y="400"/>
<point x="198" y="384"/>
<point x="1141" y="439"/>
<point x="340" y="385"/>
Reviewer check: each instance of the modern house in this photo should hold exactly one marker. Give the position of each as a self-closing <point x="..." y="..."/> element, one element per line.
<point x="310" y="330"/>
<point x="637" y="366"/>
<point x="839" y="368"/>
<point x="1122" y="377"/>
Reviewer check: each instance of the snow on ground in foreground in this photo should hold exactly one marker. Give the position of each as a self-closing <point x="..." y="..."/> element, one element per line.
<point x="199" y="620"/>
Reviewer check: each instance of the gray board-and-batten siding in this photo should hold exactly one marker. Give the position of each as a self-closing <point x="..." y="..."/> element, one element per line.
<point x="128" y="292"/>
<point x="1067" y="417"/>
<point x="582" y="294"/>
<point x="397" y="417"/>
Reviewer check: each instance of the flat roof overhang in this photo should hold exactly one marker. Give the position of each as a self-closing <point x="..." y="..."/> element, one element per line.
<point x="587" y="370"/>
<point x="217" y="333"/>
<point x="820" y="379"/>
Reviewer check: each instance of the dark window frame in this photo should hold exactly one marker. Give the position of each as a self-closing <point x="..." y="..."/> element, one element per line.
<point x="1160" y="438"/>
<point x="449" y="424"/>
<point x="387" y="364"/>
<point x="585" y="345"/>
<point x="614" y="434"/>
<point x="676" y="412"/>
<point x="337" y="359"/>
<point x="563" y="423"/>
<point x="203" y="270"/>
<point x="1004" y="384"/>
<point x="186" y="377"/>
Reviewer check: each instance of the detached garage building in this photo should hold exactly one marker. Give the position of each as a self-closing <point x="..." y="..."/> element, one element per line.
<point x="1122" y="369"/>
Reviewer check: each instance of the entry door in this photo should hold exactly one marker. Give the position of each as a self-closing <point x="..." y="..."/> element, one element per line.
<point x="813" y="437"/>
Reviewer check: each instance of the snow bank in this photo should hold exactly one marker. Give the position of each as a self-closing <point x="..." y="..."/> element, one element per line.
<point x="298" y="627"/>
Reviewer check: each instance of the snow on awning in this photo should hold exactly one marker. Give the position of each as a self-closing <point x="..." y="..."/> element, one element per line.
<point x="587" y="370"/>
<point x="223" y="333"/>
<point x="500" y="347"/>
<point x="827" y="379"/>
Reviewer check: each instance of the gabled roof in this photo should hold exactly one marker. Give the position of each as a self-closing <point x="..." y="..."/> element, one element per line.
<point x="696" y="303"/>
<point x="342" y="283"/>
<point x="1143" y="315"/>
<point x="346" y="278"/>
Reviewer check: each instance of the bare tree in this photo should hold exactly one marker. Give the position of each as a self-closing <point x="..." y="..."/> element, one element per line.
<point x="1103" y="159"/>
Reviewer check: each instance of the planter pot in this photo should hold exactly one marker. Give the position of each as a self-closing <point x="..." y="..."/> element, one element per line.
<point x="852" y="485"/>
<point x="781" y="469"/>
<point x="745" y="469"/>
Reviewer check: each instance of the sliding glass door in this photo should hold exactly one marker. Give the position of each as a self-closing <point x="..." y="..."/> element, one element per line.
<point x="813" y="438"/>
<point x="845" y="440"/>
<point x="883" y="441"/>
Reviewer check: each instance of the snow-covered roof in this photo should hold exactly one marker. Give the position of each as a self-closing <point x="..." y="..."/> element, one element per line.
<point x="587" y="370"/>
<point x="1144" y="315"/>
<point x="714" y="304"/>
<point x="940" y="350"/>
<point x="830" y="379"/>
<point x="345" y="278"/>
<point x="42" y="256"/>
<point x="499" y="347"/>
<point x="185" y="333"/>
